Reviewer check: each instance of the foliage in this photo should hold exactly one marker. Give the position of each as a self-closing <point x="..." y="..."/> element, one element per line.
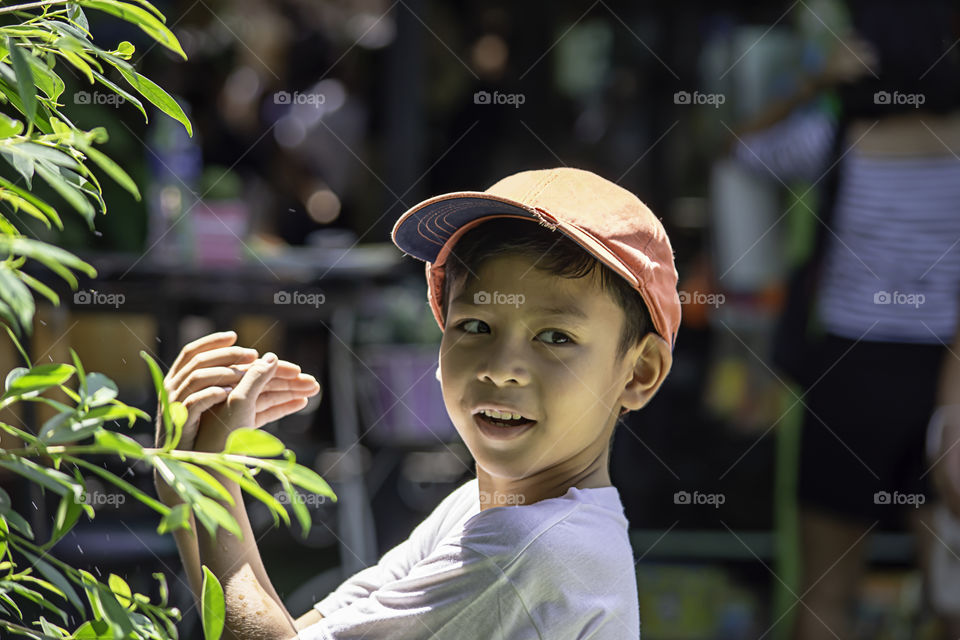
<point x="38" y="139"/>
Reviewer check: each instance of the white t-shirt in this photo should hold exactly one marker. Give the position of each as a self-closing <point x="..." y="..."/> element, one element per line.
<point x="557" y="569"/>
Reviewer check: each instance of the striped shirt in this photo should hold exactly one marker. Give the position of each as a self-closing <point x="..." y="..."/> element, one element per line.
<point x="891" y="270"/>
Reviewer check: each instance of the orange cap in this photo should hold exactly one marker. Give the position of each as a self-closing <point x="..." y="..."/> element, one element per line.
<point x="608" y="221"/>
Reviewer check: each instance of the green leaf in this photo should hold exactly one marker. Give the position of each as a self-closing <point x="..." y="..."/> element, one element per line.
<point x="15" y="373"/>
<point x="93" y="630"/>
<point x="160" y="98"/>
<point x="206" y="482"/>
<point x="151" y="502"/>
<point x="49" y="211"/>
<point x="39" y="287"/>
<point x="73" y="196"/>
<point x="129" y="97"/>
<point x="253" y="442"/>
<point x="23" y="163"/>
<point x="310" y="480"/>
<point x="119" y="443"/>
<point x="299" y="508"/>
<point x="178" y="518"/>
<point x="100" y="389"/>
<point x="218" y="513"/>
<point x="68" y="512"/>
<point x="17" y="521"/>
<point x="54" y="258"/>
<point x="75" y="14"/>
<point x="52" y="479"/>
<point x="113" y="170"/>
<point x="162" y="397"/>
<point x="16" y="294"/>
<point x="125" y="50"/>
<point x="178" y="415"/>
<point x="25" y="86"/>
<point x="9" y="127"/>
<point x="40" y="377"/>
<point x="146" y="21"/>
<point x="212" y="606"/>
<point x="121" y="590"/>
<point x="5" y="502"/>
<point x="48" y="81"/>
<point x="119" y="618"/>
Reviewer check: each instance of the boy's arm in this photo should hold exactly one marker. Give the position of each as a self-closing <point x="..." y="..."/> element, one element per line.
<point x="195" y="379"/>
<point x="253" y="610"/>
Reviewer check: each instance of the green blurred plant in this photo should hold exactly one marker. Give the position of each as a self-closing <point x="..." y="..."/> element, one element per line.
<point x="37" y="138"/>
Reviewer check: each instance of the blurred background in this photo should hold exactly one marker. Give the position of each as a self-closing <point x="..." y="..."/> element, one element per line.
<point x="317" y="123"/>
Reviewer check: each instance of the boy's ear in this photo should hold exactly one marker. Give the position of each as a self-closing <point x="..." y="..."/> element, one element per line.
<point x="652" y="360"/>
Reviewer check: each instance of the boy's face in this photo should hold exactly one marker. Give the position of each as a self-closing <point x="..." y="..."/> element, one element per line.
<point x="501" y="347"/>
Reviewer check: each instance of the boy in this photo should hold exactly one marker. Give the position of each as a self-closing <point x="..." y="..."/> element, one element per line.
<point x="556" y="293"/>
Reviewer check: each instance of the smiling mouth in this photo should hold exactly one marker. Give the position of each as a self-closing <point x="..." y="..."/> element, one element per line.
<point x="500" y="422"/>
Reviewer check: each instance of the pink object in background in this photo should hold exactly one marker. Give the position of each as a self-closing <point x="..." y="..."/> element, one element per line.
<point x="218" y="229"/>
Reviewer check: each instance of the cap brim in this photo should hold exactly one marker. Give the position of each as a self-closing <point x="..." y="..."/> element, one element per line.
<point x="425" y="228"/>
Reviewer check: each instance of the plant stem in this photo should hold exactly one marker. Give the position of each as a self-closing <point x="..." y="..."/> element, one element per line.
<point x="31" y="5"/>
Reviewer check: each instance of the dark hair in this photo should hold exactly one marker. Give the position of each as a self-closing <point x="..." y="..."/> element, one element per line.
<point x="554" y="253"/>
<point x="915" y="45"/>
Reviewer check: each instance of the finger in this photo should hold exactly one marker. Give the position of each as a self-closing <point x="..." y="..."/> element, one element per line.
<point x="269" y="399"/>
<point x="195" y="405"/>
<point x="254" y="380"/>
<point x="303" y="382"/>
<point x="207" y="342"/>
<point x="225" y="356"/>
<point x="279" y="411"/>
<point x="208" y="377"/>
<point x="284" y="369"/>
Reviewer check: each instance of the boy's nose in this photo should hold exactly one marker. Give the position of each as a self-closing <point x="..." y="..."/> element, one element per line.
<point x="503" y="365"/>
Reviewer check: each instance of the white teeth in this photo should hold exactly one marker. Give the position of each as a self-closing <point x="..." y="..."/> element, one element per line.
<point x="500" y="415"/>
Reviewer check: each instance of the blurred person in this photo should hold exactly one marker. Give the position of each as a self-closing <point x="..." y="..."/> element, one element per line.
<point x="881" y="285"/>
<point x="556" y="293"/>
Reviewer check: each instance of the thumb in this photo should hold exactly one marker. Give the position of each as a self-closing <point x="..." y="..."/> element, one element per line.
<point x="256" y="378"/>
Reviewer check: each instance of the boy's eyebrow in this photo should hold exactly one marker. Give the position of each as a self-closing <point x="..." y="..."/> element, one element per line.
<point x="568" y="310"/>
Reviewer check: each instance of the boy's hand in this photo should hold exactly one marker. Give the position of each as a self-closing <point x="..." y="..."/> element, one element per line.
<point x="240" y="409"/>
<point x="207" y="368"/>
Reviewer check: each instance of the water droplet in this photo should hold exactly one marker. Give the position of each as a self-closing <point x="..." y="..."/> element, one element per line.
<point x="34" y="504"/>
<point x="99" y="234"/>
<point x="43" y="323"/>
<point x="97" y="569"/>
<point x="79" y="549"/>
<point x="124" y="360"/>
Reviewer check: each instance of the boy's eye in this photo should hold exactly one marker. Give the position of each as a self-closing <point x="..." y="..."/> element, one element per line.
<point x="470" y="323"/>
<point x="477" y="326"/>
<point x="562" y="336"/>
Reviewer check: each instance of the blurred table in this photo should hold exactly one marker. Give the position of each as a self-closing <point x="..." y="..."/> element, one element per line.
<point x="302" y="287"/>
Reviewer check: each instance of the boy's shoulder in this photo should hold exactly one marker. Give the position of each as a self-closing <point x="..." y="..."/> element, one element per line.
<point x="580" y="519"/>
